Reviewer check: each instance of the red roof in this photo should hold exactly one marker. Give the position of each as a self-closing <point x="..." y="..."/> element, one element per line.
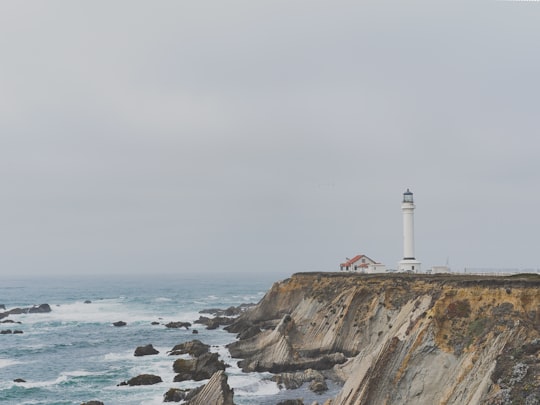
<point x="350" y="262"/>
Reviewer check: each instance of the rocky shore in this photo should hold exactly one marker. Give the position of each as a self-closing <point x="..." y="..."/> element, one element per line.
<point x="401" y="339"/>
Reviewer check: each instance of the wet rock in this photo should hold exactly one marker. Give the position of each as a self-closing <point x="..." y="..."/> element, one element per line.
<point x="119" y="323"/>
<point x="295" y="380"/>
<point x="318" y="387"/>
<point x="214" y="323"/>
<point x="40" y="309"/>
<point x="199" y="368"/>
<point x="143" y="379"/>
<point x="147" y="350"/>
<point x="18" y="332"/>
<point x="87" y="302"/>
<point x="175" y="395"/>
<point x="195" y="331"/>
<point x="291" y="402"/>
<point x="11" y="321"/>
<point x="176" y="325"/>
<point x="231" y="311"/>
<point x="19" y="380"/>
<point x="92" y="403"/>
<point x="216" y="392"/>
<point x="194" y="348"/>
<point x="2" y="306"/>
<point x="6" y="332"/>
<point x="155" y="323"/>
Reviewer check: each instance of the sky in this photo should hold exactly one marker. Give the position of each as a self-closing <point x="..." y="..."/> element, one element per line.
<point x="266" y="137"/>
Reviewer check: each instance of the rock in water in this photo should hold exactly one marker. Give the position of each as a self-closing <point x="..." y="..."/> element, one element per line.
<point x="92" y="403"/>
<point x="120" y="323"/>
<point x="147" y="350"/>
<point x="41" y="309"/>
<point x="197" y="369"/>
<point x="176" y="325"/>
<point x="175" y="395"/>
<point x="291" y="402"/>
<point x="19" y="380"/>
<point x="143" y="379"/>
<point x="216" y="392"/>
<point x="194" y="348"/>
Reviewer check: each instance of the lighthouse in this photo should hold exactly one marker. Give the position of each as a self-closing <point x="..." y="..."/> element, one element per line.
<point x="409" y="263"/>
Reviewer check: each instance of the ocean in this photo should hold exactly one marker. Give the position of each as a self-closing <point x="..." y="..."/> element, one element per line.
<point x="74" y="354"/>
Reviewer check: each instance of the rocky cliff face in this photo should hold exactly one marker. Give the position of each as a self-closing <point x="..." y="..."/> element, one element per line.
<point x="403" y="339"/>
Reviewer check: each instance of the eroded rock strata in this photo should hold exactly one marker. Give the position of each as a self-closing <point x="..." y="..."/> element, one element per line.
<point x="402" y="339"/>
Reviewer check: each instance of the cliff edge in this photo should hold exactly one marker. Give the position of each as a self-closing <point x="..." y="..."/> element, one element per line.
<point x="402" y="338"/>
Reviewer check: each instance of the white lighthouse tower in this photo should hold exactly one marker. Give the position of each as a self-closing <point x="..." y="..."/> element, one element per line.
<point x="409" y="262"/>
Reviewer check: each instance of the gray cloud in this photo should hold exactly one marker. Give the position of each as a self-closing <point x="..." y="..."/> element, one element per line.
<point x="265" y="136"/>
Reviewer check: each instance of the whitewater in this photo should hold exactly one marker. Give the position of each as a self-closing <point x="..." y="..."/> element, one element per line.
<point x="74" y="353"/>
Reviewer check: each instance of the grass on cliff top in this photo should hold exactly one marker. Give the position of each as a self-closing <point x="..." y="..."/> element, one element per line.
<point x="523" y="280"/>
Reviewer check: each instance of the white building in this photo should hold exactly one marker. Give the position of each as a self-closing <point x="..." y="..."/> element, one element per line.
<point x="409" y="263"/>
<point x="363" y="264"/>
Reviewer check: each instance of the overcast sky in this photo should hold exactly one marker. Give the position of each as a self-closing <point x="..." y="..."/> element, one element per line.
<point x="266" y="136"/>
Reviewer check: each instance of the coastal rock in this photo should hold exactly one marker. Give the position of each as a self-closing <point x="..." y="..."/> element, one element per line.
<point x="2" y="306"/>
<point x="40" y="309"/>
<point x="11" y="321"/>
<point x="119" y="323"/>
<point x="143" y="379"/>
<point x="175" y="395"/>
<point x="291" y="402"/>
<point x="408" y="338"/>
<point x="197" y="369"/>
<point x="147" y="350"/>
<point x="19" y="380"/>
<point x="92" y="403"/>
<point x="195" y="331"/>
<point x="272" y="350"/>
<point x="3" y="315"/>
<point x="155" y="323"/>
<point x="176" y="325"/>
<point x="216" y="392"/>
<point x="214" y="323"/>
<point x="6" y="332"/>
<point x="194" y="348"/>
<point x="231" y="311"/>
<point x="318" y="386"/>
<point x="297" y="379"/>
<point x="87" y="302"/>
<point x="18" y="332"/>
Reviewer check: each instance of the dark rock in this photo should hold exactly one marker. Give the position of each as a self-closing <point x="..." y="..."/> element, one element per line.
<point x="199" y="368"/>
<point x="155" y="323"/>
<point x="147" y="350"/>
<point x="17" y="311"/>
<point x="195" y="331"/>
<point x="249" y="333"/>
<point x="3" y="315"/>
<point x="92" y="403"/>
<point x="19" y="380"/>
<point x="291" y="402"/>
<point x="175" y="395"/>
<point x="194" y="348"/>
<point x="40" y="309"/>
<point x="214" y="323"/>
<point x="11" y="321"/>
<point x="176" y="325"/>
<point x="119" y="323"/>
<point x="318" y="387"/>
<point x="2" y="306"/>
<point x="6" y="332"/>
<point x="231" y="311"/>
<point x="239" y="325"/>
<point x="18" y="332"/>
<point x="87" y="302"/>
<point x="143" y="379"/>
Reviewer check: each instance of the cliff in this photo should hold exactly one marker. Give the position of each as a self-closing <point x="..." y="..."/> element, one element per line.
<point x="402" y="339"/>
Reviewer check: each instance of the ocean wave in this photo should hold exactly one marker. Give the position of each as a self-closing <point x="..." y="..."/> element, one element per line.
<point x="252" y="385"/>
<point x="162" y="299"/>
<point x="8" y="362"/>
